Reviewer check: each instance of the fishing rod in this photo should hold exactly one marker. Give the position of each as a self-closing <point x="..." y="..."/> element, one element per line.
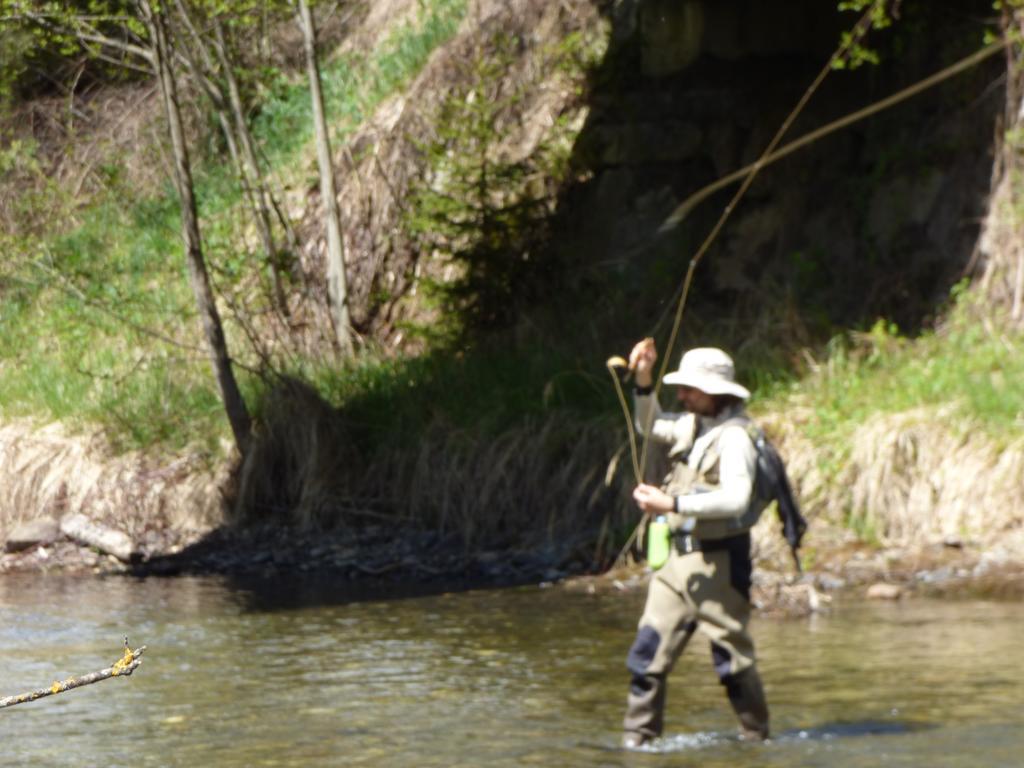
<point x="613" y="364"/>
<point x="617" y="366"/>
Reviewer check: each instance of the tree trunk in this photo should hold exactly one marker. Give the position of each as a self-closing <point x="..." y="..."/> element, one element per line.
<point x="337" y="289"/>
<point x="1002" y="271"/>
<point x="234" y="404"/>
<point x="201" y="74"/>
<point x="209" y="58"/>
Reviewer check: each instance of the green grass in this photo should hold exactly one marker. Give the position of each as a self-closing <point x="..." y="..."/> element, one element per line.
<point x="353" y="86"/>
<point x="72" y="345"/>
<point x="482" y="392"/>
<point x="972" y="364"/>
<point x="97" y="325"/>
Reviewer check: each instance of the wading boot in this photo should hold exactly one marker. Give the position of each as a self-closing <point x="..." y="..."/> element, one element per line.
<point x="746" y="695"/>
<point x="634" y="740"/>
<point x="645" y="710"/>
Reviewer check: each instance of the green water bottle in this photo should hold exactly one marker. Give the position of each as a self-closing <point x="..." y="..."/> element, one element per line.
<point x="657" y="542"/>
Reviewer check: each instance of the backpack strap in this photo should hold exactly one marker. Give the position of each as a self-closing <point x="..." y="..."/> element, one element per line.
<point x="771" y="473"/>
<point x="707" y="467"/>
<point x="748" y="424"/>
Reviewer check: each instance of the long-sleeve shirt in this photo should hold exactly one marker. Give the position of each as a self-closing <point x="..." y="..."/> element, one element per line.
<point x="695" y="439"/>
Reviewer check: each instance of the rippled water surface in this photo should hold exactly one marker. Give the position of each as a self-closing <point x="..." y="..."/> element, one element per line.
<point x="299" y="674"/>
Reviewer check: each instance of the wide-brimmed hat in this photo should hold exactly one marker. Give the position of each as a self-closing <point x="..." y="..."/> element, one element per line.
<point x="710" y="370"/>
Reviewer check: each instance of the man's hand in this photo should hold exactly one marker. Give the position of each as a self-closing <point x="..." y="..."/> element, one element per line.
<point x="641" y="361"/>
<point x="652" y="499"/>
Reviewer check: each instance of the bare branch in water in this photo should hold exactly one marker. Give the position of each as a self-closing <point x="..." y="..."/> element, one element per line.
<point x="121" y="668"/>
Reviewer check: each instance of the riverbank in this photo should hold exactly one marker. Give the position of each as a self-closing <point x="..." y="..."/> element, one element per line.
<point x="374" y="552"/>
<point x="895" y="514"/>
<point x="393" y="557"/>
<point x="857" y="570"/>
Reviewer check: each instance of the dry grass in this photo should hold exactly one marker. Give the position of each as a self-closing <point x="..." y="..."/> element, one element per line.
<point x="539" y="485"/>
<point x="810" y="484"/>
<point x="82" y="148"/>
<point x="918" y="477"/>
<point x="924" y="476"/>
<point x="299" y="460"/>
<point x="909" y="479"/>
<point x="46" y="472"/>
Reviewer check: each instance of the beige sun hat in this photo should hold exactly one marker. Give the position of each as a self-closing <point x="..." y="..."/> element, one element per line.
<point x="710" y="370"/>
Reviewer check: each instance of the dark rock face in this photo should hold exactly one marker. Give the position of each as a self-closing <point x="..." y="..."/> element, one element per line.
<point x="670" y="35"/>
<point x="879" y="219"/>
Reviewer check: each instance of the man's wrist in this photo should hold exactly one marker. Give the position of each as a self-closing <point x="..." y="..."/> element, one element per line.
<point x="643" y="390"/>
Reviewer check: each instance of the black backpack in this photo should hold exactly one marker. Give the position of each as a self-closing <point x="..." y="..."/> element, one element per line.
<point x="772" y="484"/>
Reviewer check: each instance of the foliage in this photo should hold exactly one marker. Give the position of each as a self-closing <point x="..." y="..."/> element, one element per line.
<point x="353" y="84"/>
<point x="969" y="361"/>
<point x="1008" y="5"/>
<point x="876" y="14"/>
<point x="97" y="325"/>
<point x="41" y="199"/>
<point x="480" y="211"/>
<point x="16" y="44"/>
<point x="98" y="39"/>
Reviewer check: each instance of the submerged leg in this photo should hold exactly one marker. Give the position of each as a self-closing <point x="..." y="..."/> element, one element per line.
<point x="746" y="695"/>
<point x="665" y="628"/>
<point x="724" y="613"/>
<point x="645" y="709"/>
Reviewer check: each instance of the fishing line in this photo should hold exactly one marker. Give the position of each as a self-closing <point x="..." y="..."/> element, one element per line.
<point x="748" y="174"/>
<point x="615" y="364"/>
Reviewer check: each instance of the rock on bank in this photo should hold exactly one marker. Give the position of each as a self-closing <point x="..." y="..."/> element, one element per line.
<point x="158" y="503"/>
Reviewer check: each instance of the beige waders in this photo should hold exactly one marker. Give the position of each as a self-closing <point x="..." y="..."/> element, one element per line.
<point x="707" y="589"/>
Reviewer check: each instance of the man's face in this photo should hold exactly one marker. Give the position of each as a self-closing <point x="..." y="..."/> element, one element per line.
<point x="696" y="401"/>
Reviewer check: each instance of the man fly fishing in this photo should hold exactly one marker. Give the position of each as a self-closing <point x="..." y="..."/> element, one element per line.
<point x="709" y="502"/>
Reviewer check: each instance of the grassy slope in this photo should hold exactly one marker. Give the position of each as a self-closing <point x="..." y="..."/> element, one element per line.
<point x="97" y="324"/>
<point x="971" y="362"/>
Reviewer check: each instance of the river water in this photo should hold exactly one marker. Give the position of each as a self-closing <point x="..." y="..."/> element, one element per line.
<point x="301" y="674"/>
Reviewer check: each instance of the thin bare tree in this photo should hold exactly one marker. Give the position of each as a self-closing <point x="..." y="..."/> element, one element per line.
<point x="213" y="329"/>
<point x="207" y="56"/>
<point x="126" y="46"/>
<point x="337" y="286"/>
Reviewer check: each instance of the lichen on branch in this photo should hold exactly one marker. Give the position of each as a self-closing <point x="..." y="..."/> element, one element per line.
<point x="123" y="667"/>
